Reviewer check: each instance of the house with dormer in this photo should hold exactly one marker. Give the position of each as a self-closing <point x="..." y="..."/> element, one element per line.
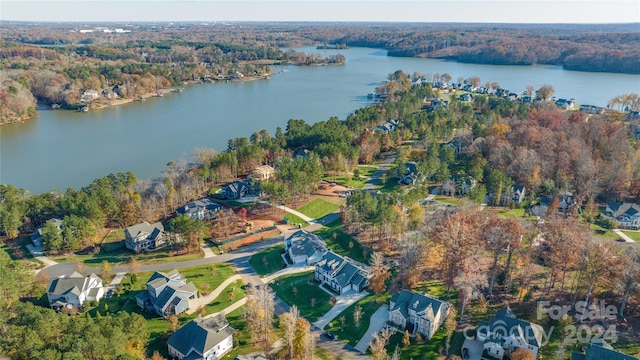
<point x="236" y="190"/>
<point x="418" y="313"/>
<point x="626" y="214"/>
<point x="504" y="332"/>
<point x="73" y="290"/>
<point x="305" y="247"/>
<point x="200" y="209"/>
<point x="341" y="274"/>
<point x="167" y="294"/>
<point x="207" y="338"/>
<point x="144" y="236"/>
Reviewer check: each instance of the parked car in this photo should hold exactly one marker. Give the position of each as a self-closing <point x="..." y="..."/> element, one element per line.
<point x="331" y="336"/>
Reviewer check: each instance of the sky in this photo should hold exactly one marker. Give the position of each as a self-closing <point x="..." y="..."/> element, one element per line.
<point x="476" y="11"/>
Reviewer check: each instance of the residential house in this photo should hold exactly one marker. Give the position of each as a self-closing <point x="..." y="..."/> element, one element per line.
<point x="591" y="109"/>
<point x="464" y="184"/>
<point x="74" y="290"/>
<point x="200" y="209"/>
<point x="411" y="173"/>
<point x="626" y="214"/>
<point x="455" y="145"/>
<point x="341" y="274"/>
<point x="565" y="104"/>
<point x="36" y="237"/>
<point x="302" y="153"/>
<point x="304" y="247"/>
<point x="263" y="173"/>
<point x="207" y="338"/>
<point x="598" y="349"/>
<point x="514" y="195"/>
<point x="167" y="294"/>
<point x="144" y="236"/>
<point x="504" y="332"/>
<point x="467" y="97"/>
<point x="566" y="204"/>
<point x="419" y="313"/>
<point x="236" y="190"/>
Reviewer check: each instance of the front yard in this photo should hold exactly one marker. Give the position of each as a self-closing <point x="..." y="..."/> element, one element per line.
<point x="312" y="302"/>
<point x="352" y="332"/>
<point x="634" y="235"/>
<point x="268" y="261"/>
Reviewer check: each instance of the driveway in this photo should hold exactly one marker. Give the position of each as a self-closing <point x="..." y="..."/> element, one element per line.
<point x="475" y="349"/>
<point x="39" y="255"/>
<point x="378" y="320"/>
<point x="623" y="236"/>
<point x="342" y="303"/>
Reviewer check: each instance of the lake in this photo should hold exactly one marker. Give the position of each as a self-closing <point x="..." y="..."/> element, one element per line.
<point x="62" y="149"/>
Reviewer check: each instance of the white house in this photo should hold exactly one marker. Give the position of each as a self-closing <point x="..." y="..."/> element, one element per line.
<point x="417" y="313"/>
<point x="74" y="290"/>
<point x="341" y="274"/>
<point x="200" y="209"/>
<point x="626" y="214"/>
<point x="167" y="294"/>
<point x="504" y="333"/>
<point x="304" y="247"/>
<point x="203" y="338"/>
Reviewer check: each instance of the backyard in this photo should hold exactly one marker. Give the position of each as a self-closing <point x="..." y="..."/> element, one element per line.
<point x="342" y="243"/>
<point x="318" y="208"/>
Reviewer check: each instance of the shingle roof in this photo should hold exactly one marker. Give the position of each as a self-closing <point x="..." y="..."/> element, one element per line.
<point x="200" y="334"/>
<point x="145" y="228"/>
<point x="528" y="333"/>
<point x="597" y="352"/>
<point x="304" y="243"/>
<point x="407" y="300"/>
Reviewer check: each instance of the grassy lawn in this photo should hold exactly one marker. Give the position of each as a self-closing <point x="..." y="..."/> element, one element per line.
<point x="448" y="200"/>
<point x="114" y="241"/>
<point x="428" y="350"/>
<point x="243" y="338"/>
<point x="318" y="208"/>
<point x="122" y="256"/>
<point x="635" y="235"/>
<point x="511" y="213"/>
<point x="302" y="295"/>
<point x="603" y="233"/>
<point x="351" y="333"/>
<point x="343" y="243"/>
<point x="268" y="261"/>
<point x="295" y="220"/>
<point x="322" y="354"/>
<point x="222" y="301"/>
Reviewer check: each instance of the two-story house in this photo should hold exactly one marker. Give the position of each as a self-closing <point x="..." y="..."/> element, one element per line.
<point x="305" y="247"/>
<point x="207" y="338"/>
<point x="167" y="294"/>
<point x="627" y="214"/>
<point x="200" y="209"/>
<point x="504" y="332"/>
<point x="74" y="290"/>
<point x="144" y="236"/>
<point x="341" y="274"/>
<point x="419" y="313"/>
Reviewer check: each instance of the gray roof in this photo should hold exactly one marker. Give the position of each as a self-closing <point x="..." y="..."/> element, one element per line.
<point x="597" y="352"/>
<point x="344" y="276"/>
<point x="304" y="243"/>
<point x="200" y="334"/>
<point x="331" y="262"/>
<point x="405" y="300"/>
<point x="75" y="283"/>
<point x="195" y="206"/>
<point x="528" y="332"/>
<point x="152" y="230"/>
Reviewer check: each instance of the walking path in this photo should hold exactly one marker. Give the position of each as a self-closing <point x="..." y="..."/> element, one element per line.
<point x="231" y="308"/>
<point x="292" y="269"/>
<point x="342" y="303"/>
<point x="37" y="254"/>
<point x="195" y="304"/>
<point x="378" y="319"/>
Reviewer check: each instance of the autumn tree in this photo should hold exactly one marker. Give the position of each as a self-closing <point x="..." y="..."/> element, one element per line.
<point x="628" y="281"/>
<point x="379" y="343"/>
<point x="379" y="274"/>
<point x="545" y="92"/>
<point x="499" y="235"/>
<point x="288" y="324"/>
<point x="357" y="315"/>
<point x="259" y="314"/>
<point x="522" y="354"/>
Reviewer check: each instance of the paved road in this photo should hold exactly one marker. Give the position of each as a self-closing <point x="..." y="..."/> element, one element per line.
<point x="377" y="175"/>
<point x="623" y="236"/>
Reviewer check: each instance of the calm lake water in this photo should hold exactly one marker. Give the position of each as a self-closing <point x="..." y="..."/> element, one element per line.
<point x="62" y="149"/>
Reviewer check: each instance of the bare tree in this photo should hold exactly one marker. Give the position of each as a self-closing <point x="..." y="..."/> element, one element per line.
<point x="259" y="315"/>
<point x="161" y="191"/>
<point x="379" y="343"/>
<point x="288" y="322"/>
<point x="499" y="235"/>
<point x="628" y="281"/>
<point x="379" y="274"/>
